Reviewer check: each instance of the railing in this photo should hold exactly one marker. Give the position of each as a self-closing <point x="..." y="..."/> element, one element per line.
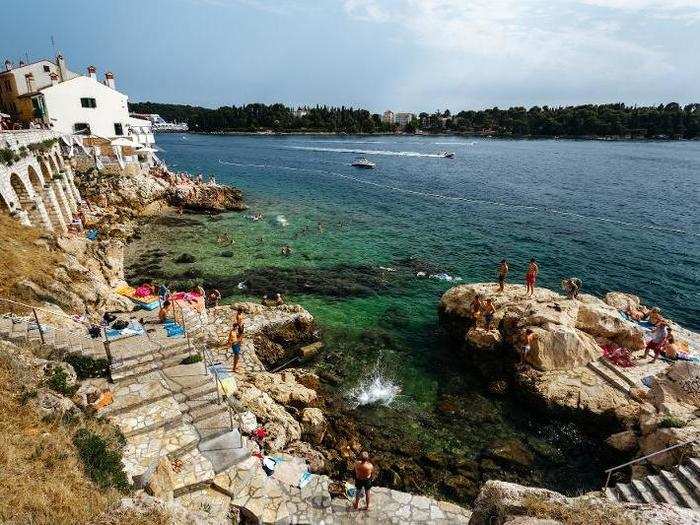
<point x="643" y="458"/>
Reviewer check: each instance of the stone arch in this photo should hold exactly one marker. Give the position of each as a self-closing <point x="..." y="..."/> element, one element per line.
<point x="36" y="179"/>
<point x="45" y="170"/>
<point x="24" y="203"/>
<point x="59" y="160"/>
<point x="52" y="164"/>
<point x="41" y="202"/>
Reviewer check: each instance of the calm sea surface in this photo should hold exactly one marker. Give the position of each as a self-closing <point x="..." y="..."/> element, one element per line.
<point x="618" y="215"/>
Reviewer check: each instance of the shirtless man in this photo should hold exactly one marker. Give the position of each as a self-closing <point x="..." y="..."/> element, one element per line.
<point x="531" y="277"/>
<point x="475" y="308"/>
<point x="235" y="338"/>
<point x="488" y="309"/>
<point x="364" y="470"/>
<point x="528" y="339"/>
<point x="502" y="274"/>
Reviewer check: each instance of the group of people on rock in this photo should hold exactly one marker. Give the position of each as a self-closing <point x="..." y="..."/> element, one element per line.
<point x="533" y="270"/>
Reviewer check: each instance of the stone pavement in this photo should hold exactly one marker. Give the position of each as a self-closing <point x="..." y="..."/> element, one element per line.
<point x="175" y="413"/>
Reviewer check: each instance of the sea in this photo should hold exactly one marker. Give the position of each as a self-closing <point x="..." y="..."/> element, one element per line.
<point x="373" y="250"/>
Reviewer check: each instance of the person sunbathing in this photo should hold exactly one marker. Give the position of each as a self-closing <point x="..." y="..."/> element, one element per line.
<point x="636" y="314"/>
<point x="671" y="349"/>
<point x="655" y="317"/>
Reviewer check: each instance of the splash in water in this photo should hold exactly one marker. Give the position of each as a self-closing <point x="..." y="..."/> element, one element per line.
<point x="282" y="220"/>
<point x="372" y="390"/>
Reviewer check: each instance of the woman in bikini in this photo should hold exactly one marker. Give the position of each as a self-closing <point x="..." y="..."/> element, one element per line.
<point x="531" y="277"/>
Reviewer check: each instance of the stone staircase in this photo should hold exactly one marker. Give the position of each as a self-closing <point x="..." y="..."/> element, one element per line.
<point x="615" y="377"/>
<point x="679" y="486"/>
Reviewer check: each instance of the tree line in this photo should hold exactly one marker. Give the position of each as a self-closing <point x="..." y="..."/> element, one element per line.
<point x="604" y="120"/>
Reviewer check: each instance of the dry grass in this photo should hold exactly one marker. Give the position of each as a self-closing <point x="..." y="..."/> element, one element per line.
<point x="578" y="512"/>
<point x="21" y="257"/>
<point x="41" y="477"/>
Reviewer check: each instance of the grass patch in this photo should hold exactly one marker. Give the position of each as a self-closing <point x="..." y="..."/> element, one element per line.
<point x="102" y="462"/>
<point x="58" y="382"/>
<point x="87" y="367"/>
<point x="23" y="257"/>
<point x="191" y="359"/>
<point x="42" y="480"/>
<point x="578" y="512"/>
<point x="672" y="422"/>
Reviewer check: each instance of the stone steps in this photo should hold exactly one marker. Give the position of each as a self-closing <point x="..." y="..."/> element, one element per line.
<point x="195" y="473"/>
<point x="209" y="502"/>
<point x="619" y="373"/>
<point x="612" y="379"/>
<point x="679" y="487"/>
<point x="164" y="413"/>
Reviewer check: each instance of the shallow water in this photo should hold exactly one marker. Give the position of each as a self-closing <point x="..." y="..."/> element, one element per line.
<point x="618" y="215"/>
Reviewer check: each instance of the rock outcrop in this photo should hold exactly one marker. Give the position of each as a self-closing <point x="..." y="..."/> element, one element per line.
<point x="501" y="503"/>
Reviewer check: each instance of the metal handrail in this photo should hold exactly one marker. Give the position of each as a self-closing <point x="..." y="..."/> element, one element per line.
<point x="634" y="461"/>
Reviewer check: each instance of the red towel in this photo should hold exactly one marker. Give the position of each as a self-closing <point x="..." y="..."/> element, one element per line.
<point x="617" y="355"/>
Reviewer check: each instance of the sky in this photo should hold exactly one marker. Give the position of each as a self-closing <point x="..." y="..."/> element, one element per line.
<point x="404" y="55"/>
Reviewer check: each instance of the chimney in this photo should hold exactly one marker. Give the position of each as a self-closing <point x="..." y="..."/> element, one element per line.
<point x="109" y="80"/>
<point x="92" y="72"/>
<point x="62" y="71"/>
<point x="8" y="64"/>
<point x="29" y="77"/>
<point x="54" y="78"/>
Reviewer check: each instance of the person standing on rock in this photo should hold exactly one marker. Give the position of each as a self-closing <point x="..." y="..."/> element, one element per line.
<point x="502" y="274"/>
<point x="235" y="338"/>
<point x="364" y="470"/>
<point x="489" y="309"/>
<point x="531" y="277"/>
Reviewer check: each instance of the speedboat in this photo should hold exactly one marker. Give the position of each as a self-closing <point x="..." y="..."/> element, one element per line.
<point x="363" y="163"/>
<point x="447" y="154"/>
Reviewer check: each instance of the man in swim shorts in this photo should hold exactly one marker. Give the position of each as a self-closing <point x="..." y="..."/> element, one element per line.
<point x="528" y="338"/>
<point x="531" y="277"/>
<point x="502" y="274"/>
<point x="364" y="470"/>
<point x="235" y="338"/>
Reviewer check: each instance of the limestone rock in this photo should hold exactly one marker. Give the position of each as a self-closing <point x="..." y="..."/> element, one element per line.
<point x="248" y="422"/>
<point x="314" y="458"/>
<point x="284" y="389"/>
<point x="622" y="301"/>
<point x="561" y="347"/>
<point x="163" y="481"/>
<point x="313" y="425"/>
<point x="625" y="441"/>
<point x="281" y="426"/>
<point x="481" y="338"/>
<point x="501" y="502"/>
<point x="679" y="384"/>
<point x="54" y="405"/>
<point x="510" y="451"/>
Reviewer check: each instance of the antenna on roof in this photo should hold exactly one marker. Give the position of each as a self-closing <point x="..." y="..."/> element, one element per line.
<point x="53" y="45"/>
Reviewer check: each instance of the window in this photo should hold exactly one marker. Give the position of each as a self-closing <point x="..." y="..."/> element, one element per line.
<point x="88" y="102"/>
<point x="118" y="129"/>
<point x="47" y="69"/>
<point x="81" y="127"/>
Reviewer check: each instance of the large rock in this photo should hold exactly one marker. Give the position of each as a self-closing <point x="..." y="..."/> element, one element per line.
<point x="598" y="319"/>
<point x="625" y="441"/>
<point x="679" y="384"/>
<point x="281" y="426"/>
<point x="561" y="347"/>
<point x="313" y="425"/>
<point x="499" y="503"/>
<point x="53" y="405"/>
<point x="284" y="388"/>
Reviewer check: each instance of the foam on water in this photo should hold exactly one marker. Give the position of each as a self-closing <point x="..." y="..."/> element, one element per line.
<point x="369" y="152"/>
<point x="373" y="390"/>
<point x="282" y="220"/>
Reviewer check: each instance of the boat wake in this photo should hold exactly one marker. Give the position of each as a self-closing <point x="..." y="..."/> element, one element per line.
<point x="369" y="152"/>
<point x="374" y="389"/>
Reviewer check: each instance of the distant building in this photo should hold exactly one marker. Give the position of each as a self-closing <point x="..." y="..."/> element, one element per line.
<point x="158" y="123"/>
<point x="402" y="119"/>
<point x="388" y="117"/>
<point x="301" y="112"/>
<point x="48" y="93"/>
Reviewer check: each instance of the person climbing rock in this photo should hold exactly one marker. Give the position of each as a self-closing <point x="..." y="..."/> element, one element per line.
<point x="527" y="339"/>
<point x="364" y="471"/>
<point x="572" y="287"/>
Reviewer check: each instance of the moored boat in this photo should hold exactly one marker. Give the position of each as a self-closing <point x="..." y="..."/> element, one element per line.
<point x="363" y="163"/>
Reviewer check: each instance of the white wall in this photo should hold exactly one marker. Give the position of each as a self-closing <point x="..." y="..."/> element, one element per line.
<point x="62" y="103"/>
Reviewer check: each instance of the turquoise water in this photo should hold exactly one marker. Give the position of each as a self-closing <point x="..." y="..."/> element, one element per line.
<point x="618" y="215"/>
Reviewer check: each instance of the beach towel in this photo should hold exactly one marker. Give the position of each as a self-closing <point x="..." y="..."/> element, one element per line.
<point x="133" y="328"/>
<point x="617" y="355"/>
<point x="219" y="370"/>
<point x="173" y="330"/>
<point x="151" y="301"/>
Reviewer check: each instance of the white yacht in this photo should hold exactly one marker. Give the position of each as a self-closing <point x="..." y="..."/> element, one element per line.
<point x="447" y="154"/>
<point x="363" y="163"/>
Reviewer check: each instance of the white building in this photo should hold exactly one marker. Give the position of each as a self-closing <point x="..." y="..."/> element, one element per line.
<point x="402" y="119"/>
<point x="141" y="131"/>
<point x="301" y="112"/>
<point x="388" y="117"/>
<point x="64" y="101"/>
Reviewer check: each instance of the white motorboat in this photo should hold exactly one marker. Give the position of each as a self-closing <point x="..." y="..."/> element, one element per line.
<point x="447" y="154"/>
<point x="363" y="163"/>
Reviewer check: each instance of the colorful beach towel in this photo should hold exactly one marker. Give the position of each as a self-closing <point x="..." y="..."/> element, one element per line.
<point x="149" y="302"/>
<point x="617" y="355"/>
<point x="133" y="328"/>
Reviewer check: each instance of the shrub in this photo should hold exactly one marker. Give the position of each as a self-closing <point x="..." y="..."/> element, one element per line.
<point x="191" y="359"/>
<point x="102" y="464"/>
<point x="59" y="383"/>
<point x="672" y="422"/>
<point x="86" y="367"/>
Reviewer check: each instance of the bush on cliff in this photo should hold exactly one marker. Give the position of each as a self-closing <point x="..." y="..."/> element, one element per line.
<point x="87" y="367"/>
<point x="102" y="462"/>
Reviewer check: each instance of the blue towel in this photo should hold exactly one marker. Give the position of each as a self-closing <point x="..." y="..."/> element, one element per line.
<point x="219" y="370"/>
<point x="174" y="330"/>
<point x="646" y="381"/>
<point x="92" y="234"/>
